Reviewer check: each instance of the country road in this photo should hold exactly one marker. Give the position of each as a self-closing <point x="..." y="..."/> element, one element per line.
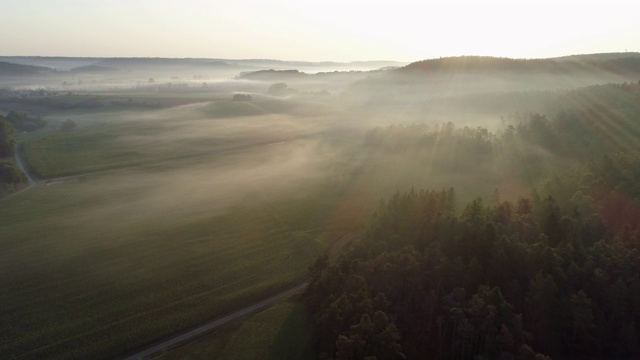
<point x="333" y="253"/>
<point x="201" y="330"/>
<point x="19" y="161"/>
<point x="32" y="181"/>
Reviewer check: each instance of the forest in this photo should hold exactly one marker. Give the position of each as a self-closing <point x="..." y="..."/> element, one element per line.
<point x="548" y="274"/>
<point x="10" y="176"/>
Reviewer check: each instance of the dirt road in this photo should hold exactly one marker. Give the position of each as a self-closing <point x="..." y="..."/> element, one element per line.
<point x="203" y="329"/>
<point x="182" y="338"/>
<point x="20" y="162"/>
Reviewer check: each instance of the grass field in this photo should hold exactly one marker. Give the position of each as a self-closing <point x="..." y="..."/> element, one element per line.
<point x="117" y="139"/>
<point x="282" y="332"/>
<point x="203" y="216"/>
<point x="80" y="281"/>
<point x="62" y="154"/>
<point x="182" y="215"/>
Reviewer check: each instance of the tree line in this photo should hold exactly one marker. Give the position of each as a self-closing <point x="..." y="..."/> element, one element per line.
<point x="10" y="175"/>
<point x="500" y="280"/>
<point x="550" y="274"/>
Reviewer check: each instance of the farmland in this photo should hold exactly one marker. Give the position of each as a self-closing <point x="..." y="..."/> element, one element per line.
<point x="163" y="226"/>
<point x="280" y="332"/>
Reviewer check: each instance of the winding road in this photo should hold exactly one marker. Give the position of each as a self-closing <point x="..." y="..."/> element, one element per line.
<point x="203" y="329"/>
<point x="333" y="253"/>
<point x="19" y="161"/>
<point x="32" y="181"/>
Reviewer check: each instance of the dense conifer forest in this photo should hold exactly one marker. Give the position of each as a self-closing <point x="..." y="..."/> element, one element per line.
<point x="553" y="273"/>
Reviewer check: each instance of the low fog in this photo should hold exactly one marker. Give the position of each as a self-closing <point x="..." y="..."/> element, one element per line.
<point x="225" y="179"/>
<point x="179" y="116"/>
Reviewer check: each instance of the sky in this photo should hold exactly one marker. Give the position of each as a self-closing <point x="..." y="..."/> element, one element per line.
<point x="328" y="30"/>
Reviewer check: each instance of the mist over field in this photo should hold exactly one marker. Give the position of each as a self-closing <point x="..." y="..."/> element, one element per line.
<point x="411" y="200"/>
<point x="277" y="179"/>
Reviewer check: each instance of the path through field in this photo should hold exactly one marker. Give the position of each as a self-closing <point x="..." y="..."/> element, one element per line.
<point x="201" y="330"/>
<point x="30" y="179"/>
<point x="20" y="163"/>
<point x="333" y="253"/>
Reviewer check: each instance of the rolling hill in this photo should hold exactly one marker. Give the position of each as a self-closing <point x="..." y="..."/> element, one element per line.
<point x="7" y="68"/>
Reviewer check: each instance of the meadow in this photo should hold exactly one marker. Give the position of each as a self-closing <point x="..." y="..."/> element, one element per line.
<point x="165" y="218"/>
<point x="68" y="277"/>
<point x="280" y="332"/>
<point x="123" y="138"/>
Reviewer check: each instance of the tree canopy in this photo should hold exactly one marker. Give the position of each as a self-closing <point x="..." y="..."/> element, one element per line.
<point x="508" y="280"/>
<point x="7" y="138"/>
<point x="241" y="97"/>
<point x="24" y="122"/>
<point x="68" y="125"/>
<point x="554" y="273"/>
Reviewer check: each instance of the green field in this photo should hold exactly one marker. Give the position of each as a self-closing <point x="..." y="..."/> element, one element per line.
<point x="63" y="154"/>
<point x="80" y="280"/>
<point x="194" y="221"/>
<point x="130" y="138"/>
<point x="281" y="332"/>
<point x="167" y="218"/>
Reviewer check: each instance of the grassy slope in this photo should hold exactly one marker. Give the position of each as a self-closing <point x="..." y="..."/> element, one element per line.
<point x="74" y="287"/>
<point x="101" y="143"/>
<point x="280" y="332"/>
<point x="103" y="264"/>
<point x="70" y="153"/>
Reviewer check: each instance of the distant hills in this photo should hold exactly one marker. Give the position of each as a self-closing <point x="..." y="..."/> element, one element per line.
<point x="481" y="64"/>
<point x="93" y="69"/>
<point x="597" y="57"/>
<point x="79" y="64"/>
<point x="7" y="68"/>
<point x="125" y="64"/>
<point x="613" y="62"/>
<point x="271" y="74"/>
<point x="618" y="63"/>
<point x="477" y="74"/>
<point x="377" y="80"/>
<point x="301" y="65"/>
<point x="285" y="75"/>
<point x="132" y="63"/>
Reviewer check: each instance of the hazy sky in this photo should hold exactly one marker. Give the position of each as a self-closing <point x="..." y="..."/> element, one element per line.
<point x="343" y="30"/>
